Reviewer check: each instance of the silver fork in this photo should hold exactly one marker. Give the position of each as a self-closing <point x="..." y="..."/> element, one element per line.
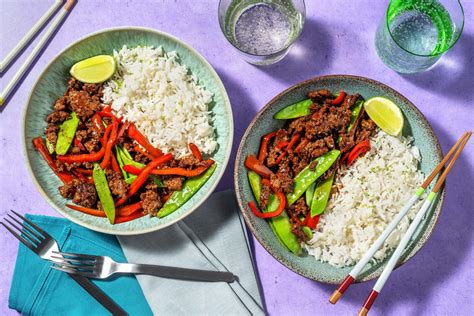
<point x="102" y="267"/>
<point x="44" y="245"/>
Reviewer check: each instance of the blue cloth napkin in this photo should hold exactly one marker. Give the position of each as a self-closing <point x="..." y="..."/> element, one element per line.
<point x="38" y="290"/>
<point x="212" y="238"/>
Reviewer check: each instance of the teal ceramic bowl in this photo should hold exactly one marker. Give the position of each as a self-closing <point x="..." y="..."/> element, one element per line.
<point x="52" y="84"/>
<point x="416" y="125"/>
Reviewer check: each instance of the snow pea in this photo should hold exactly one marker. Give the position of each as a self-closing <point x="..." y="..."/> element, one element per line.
<point x="355" y="110"/>
<point x="280" y="224"/>
<point x="295" y="110"/>
<point x="103" y="191"/>
<point x="310" y="194"/>
<point x="307" y="176"/>
<point x="190" y="187"/>
<point x="67" y="132"/>
<point x="308" y="232"/>
<point x="321" y="196"/>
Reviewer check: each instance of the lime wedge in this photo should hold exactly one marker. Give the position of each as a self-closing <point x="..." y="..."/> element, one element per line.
<point x="385" y="114"/>
<point x="96" y="69"/>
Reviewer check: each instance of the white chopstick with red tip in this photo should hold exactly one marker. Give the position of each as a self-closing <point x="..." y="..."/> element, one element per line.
<point x="456" y="149"/>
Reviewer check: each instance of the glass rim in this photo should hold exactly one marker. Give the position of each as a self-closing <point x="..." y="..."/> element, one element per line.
<point x="274" y="53"/>
<point x="425" y="55"/>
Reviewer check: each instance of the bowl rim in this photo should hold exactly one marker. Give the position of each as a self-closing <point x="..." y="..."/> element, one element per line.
<point x="230" y="122"/>
<point x="288" y="264"/>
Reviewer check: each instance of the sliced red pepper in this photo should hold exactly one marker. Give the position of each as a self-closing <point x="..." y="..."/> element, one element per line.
<point x="262" y="153"/>
<point x="312" y="222"/>
<point x="81" y="177"/>
<point x="87" y="172"/>
<point x="124" y="219"/>
<point x="196" y="152"/>
<point x="252" y="163"/>
<point x="123" y="129"/>
<point x="301" y="145"/>
<point x="125" y="211"/>
<point x="134" y="133"/>
<point x="172" y="171"/>
<point x="281" y="145"/>
<point x="41" y="148"/>
<point x="278" y="211"/>
<point x="110" y="143"/>
<point x="97" y="121"/>
<point x="137" y="148"/>
<point x="108" y="108"/>
<point x="143" y="176"/>
<point x="92" y="157"/>
<point x="359" y="149"/>
<point x="293" y="141"/>
<point x="115" y="165"/>
<point x="278" y="160"/>
<point x="339" y="98"/>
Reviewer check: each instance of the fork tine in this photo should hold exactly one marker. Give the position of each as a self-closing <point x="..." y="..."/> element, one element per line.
<point x="23" y="240"/>
<point x="38" y="237"/>
<point x="85" y="261"/>
<point x="45" y="234"/>
<point x="76" y="255"/>
<point x="75" y="267"/>
<point x="24" y="233"/>
<point x="72" y="271"/>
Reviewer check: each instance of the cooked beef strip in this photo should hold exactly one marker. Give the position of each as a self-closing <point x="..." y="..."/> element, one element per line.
<point x="281" y="136"/>
<point x="299" y="208"/>
<point x="117" y="184"/>
<point x="51" y="133"/>
<point x="60" y="104"/>
<point x="174" y="183"/>
<point x="350" y="100"/>
<point x="296" y="229"/>
<point x="366" y="130"/>
<point x="320" y="96"/>
<point x="82" y="193"/>
<point x="151" y="202"/>
<point x="82" y="103"/>
<point x="57" y="117"/>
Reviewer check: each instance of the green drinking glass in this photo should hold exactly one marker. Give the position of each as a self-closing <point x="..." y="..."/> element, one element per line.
<point x="414" y="34"/>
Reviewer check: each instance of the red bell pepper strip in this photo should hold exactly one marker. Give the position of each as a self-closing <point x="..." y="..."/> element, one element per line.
<point x="359" y="149"/>
<point x="125" y="211"/>
<point x="115" y="165"/>
<point x="81" y="177"/>
<point x="108" y="108"/>
<point x="196" y="152"/>
<point x="87" y="172"/>
<point x="143" y="176"/>
<point x="122" y="129"/>
<point x="252" y="163"/>
<point x="41" y="148"/>
<point x="293" y="141"/>
<point x="312" y="222"/>
<point x="97" y="121"/>
<point x="110" y="143"/>
<point x="124" y="219"/>
<point x="339" y="98"/>
<point x="278" y="160"/>
<point x="172" y="171"/>
<point x="92" y="157"/>
<point x="262" y="153"/>
<point x="277" y="212"/>
<point x="281" y="145"/>
<point x="137" y="148"/>
<point x="301" y="145"/>
<point x="134" y="133"/>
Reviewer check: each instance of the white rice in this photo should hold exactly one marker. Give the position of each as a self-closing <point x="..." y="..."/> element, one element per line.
<point x="374" y="189"/>
<point x="153" y="90"/>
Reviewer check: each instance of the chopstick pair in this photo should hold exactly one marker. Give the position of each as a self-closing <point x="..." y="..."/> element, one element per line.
<point x="26" y="39"/>
<point x="456" y="150"/>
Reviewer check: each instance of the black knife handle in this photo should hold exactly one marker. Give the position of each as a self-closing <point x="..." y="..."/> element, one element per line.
<point x="99" y="295"/>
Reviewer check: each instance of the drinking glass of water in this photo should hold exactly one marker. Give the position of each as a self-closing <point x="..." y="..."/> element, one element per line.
<point x="262" y="31"/>
<point x="416" y="33"/>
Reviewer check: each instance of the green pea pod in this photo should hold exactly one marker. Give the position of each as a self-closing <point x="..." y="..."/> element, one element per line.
<point x="307" y="176"/>
<point x="50" y="146"/>
<point x="355" y="113"/>
<point x="295" y="110"/>
<point x="190" y="187"/>
<point x="310" y="193"/>
<point x="321" y="196"/>
<point x="103" y="191"/>
<point x="280" y="224"/>
<point x="307" y="231"/>
<point x="66" y="134"/>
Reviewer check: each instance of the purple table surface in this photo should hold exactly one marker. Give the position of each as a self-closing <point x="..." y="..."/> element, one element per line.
<point x="338" y="38"/>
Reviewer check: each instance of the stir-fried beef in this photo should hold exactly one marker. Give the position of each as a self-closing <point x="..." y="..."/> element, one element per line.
<point x="51" y="133"/>
<point x="320" y="96"/>
<point x="82" y="103"/>
<point x="117" y="184"/>
<point x="151" y="202"/>
<point x="264" y="195"/>
<point x="174" y="183"/>
<point x="57" y="117"/>
<point x="366" y="130"/>
<point x="350" y="100"/>
<point x="82" y="193"/>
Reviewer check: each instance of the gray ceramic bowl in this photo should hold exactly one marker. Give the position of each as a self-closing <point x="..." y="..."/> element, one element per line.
<point x="416" y="125"/>
<point x="51" y="84"/>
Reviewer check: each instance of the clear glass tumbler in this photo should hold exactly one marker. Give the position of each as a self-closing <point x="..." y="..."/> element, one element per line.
<point x="262" y="31"/>
<point x="414" y="34"/>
